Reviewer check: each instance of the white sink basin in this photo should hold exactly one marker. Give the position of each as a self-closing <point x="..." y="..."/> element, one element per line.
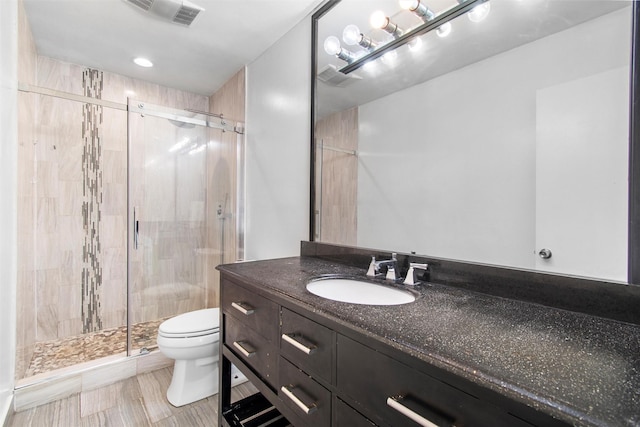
<point x="359" y="292"/>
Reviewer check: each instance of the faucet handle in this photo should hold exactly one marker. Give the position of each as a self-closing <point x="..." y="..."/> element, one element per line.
<point x="411" y="274"/>
<point x="391" y="273"/>
<point x="373" y="268"/>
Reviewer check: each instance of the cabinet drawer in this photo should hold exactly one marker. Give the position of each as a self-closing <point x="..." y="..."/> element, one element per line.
<point x="309" y="401"/>
<point x="251" y="347"/>
<point x="346" y="416"/>
<point x="307" y="344"/>
<point x="392" y="393"/>
<point x="255" y="311"/>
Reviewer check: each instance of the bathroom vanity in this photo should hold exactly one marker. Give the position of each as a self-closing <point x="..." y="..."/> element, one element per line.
<point x="452" y="357"/>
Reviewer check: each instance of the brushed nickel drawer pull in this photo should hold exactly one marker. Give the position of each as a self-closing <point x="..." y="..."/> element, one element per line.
<point x="240" y="345"/>
<point x="242" y="308"/>
<point x="297" y="344"/>
<point x="299" y="403"/>
<point x="395" y="404"/>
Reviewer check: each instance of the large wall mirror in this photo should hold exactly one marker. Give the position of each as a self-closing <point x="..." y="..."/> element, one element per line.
<point x="501" y="136"/>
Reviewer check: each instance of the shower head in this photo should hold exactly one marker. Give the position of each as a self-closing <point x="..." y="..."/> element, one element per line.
<point x="178" y="11"/>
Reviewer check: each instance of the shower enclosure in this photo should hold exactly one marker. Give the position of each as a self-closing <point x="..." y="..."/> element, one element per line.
<point x="179" y="207"/>
<point x="125" y="211"/>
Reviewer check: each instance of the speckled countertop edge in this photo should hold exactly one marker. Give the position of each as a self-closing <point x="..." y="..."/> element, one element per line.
<point x="579" y="368"/>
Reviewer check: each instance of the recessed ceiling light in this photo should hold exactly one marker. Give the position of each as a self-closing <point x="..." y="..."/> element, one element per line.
<point x="143" y="62"/>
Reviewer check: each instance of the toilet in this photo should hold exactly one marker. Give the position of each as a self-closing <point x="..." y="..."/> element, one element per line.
<point x="192" y="340"/>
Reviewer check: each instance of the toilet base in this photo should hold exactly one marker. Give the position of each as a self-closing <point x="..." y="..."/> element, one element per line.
<point x="193" y="380"/>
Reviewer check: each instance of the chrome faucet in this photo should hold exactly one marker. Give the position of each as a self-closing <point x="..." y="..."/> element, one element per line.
<point x="391" y="265"/>
<point x="415" y="273"/>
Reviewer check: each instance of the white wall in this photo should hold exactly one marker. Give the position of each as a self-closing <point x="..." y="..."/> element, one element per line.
<point x="277" y="155"/>
<point x="485" y="115"/>
<point x="8" y="208"/>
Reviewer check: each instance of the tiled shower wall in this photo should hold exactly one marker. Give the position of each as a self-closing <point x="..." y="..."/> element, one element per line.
<point x="72" y="198"/>
<point x="337" y="173"/>
<point x="25" y="290"/>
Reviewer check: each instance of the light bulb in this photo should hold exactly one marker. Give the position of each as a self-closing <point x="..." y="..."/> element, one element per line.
<point x="378" y="19"/>
<point x="479" y="12"/>
<point x="409" y="4"/>
<point x="332" y="45"/>
<point x="390" y="57"/>
<point x="351" y="34"/>
<point x="370" y="66"/>
<point x="415" y="44"/>
<point x="444" y="30"/>
<point x="418" y="9"/>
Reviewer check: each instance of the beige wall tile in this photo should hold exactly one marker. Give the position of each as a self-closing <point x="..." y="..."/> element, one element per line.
<point x="27" y="54"/>
<point x="339" y="177"/>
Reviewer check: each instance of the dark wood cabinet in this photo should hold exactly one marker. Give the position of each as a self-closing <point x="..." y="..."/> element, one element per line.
<point x="391" y="393"/>
<point x="258" y="353"/>
<point x="310" y="401"/>
<point x="346" y="416"/>
<point x="254" y="311"/>
<point x="307" y="344"/>
<point x="314" y="373"/>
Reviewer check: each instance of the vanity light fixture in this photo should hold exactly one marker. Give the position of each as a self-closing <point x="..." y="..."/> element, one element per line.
<point x="352" y="36"/>
<point x="418" y="8"/>
<point x="440" y="23"/>
<point x="143" y="62"/>
<point x="381" y="21"/>
<point x="332" y="47"/>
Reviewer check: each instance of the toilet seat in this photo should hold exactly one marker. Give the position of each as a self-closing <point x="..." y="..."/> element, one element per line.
<point x="192" y="324"/>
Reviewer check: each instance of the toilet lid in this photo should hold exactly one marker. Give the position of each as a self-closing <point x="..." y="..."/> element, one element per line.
<point x="199" y="321"/>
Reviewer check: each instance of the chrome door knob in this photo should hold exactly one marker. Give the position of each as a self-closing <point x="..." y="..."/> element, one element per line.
<point x="545" y="253"/>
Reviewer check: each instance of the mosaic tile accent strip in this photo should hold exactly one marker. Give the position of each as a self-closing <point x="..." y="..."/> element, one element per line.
<point x="62" y="353"/>
<point x="92" y="81"/>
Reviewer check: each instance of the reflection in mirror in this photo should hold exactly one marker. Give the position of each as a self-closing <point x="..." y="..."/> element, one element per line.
<point x="501" y="139"/>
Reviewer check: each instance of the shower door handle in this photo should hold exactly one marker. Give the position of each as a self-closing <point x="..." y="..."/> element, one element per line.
<point x="136" y="228"/>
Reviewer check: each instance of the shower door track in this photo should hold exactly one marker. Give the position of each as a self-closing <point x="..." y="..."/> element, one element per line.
<point x="24" y="87"/>
<point x="215" y="121"/>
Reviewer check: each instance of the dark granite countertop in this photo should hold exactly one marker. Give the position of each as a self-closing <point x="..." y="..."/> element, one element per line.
<point x="579" y="368"/>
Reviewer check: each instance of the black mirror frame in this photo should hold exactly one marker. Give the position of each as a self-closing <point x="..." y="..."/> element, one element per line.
<point x="633" y="276"/>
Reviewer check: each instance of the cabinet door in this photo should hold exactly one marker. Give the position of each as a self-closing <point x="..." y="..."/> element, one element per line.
<point x="254" y="311"/>
<point x="252" y="348"/>
<point x="346" y="416"/>
<point x="307" y="344"/>
<point x="308" y="400"/>
<point x="391" y="393"/>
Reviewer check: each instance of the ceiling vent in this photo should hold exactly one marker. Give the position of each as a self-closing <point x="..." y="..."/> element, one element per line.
<point x="179" y="11"/>
<point x="331" y="76"/>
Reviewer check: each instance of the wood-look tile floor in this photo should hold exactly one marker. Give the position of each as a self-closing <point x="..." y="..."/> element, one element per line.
<point x="136" y="401"/>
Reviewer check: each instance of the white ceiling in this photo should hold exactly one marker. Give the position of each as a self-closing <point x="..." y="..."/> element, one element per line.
<point x="108" y="34"/>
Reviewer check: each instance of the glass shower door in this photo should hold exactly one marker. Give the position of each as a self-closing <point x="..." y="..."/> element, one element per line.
<point x="167" y="218"/>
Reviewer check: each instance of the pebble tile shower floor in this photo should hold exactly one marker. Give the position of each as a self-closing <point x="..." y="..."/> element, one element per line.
<point x="62" y="353"/>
